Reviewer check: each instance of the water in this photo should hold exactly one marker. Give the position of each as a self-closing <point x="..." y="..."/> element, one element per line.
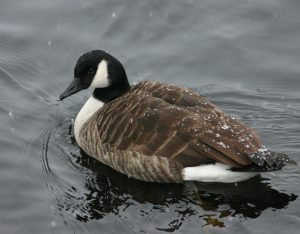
<point x="243" y="54"/>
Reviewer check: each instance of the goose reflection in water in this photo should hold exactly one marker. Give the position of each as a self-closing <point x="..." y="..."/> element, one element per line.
<point x="110" y="192"/>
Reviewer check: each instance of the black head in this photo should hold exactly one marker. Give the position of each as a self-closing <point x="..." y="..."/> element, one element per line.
<point x="98" y="69"/>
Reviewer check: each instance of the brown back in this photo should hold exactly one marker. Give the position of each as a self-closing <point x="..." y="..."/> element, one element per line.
<point x="169" y="121"/>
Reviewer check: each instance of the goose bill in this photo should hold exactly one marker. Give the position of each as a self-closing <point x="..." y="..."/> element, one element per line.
<point x="73" y="88"/>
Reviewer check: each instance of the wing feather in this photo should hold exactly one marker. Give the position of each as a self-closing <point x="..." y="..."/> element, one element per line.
<point x="169" y="121"/>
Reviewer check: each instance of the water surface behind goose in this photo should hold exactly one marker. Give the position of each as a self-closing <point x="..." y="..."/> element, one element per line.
<point x="244" y="55"/>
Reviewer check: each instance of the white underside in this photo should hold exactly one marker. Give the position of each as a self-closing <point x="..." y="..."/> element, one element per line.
<point x="91" y="106"/>
<point x="217" y="172"/>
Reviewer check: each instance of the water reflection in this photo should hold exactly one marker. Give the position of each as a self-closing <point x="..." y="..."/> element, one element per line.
<point x="109" y="192"/>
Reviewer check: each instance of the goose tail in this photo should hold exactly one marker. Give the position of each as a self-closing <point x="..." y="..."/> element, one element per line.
<point x="267" y="160"/>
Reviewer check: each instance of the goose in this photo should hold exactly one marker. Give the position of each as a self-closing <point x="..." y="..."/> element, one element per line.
<point x="158" y="132"/>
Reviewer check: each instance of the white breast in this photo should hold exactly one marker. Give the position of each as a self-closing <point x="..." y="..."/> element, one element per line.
<point x="90" y="107"/>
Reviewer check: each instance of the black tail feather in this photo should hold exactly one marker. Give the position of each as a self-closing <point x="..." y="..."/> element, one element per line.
<point x="266" y="160"/>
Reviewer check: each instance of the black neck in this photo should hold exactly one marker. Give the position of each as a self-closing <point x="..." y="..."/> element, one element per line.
<point x="111" y="92"/>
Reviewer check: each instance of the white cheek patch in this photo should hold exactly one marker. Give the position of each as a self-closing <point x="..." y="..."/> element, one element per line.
<point x="101" y="77"/>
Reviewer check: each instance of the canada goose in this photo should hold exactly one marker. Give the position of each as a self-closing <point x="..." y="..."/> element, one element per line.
<point x="161" y="132"/>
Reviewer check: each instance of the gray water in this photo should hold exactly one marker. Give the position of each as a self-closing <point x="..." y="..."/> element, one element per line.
<point x="243" y="54"/>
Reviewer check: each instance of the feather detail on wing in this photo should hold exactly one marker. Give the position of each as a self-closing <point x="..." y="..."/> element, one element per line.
<point x="173" y="122"/>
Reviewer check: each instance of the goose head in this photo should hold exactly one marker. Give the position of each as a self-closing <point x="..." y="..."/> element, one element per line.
<point x="101" y="71"/>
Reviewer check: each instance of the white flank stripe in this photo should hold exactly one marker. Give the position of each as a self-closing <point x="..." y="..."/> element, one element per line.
<point x="217" y="172"/>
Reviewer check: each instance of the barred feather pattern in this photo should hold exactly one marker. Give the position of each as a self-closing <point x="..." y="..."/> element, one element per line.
<point x="155" y="129"/>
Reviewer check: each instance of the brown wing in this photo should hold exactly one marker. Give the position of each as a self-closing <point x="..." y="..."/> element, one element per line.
<point x="169" y="121"/>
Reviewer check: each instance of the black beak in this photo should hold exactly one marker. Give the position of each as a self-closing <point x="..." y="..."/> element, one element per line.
<point x="74" y="87"/>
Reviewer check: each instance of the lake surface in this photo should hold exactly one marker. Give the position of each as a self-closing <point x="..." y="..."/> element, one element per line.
<point x="243" y="54"/>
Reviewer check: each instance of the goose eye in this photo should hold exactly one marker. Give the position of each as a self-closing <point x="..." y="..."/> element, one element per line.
<point x="91" y="71"/>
